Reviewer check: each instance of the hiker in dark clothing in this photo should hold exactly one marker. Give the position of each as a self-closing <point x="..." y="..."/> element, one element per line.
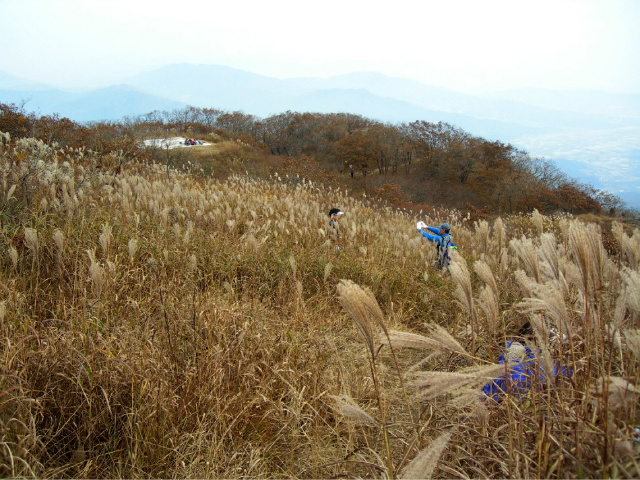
<point x="334" y="215"/>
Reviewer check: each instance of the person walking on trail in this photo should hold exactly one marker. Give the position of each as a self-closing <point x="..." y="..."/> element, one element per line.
<point x="334" y="215"/>
<point x="443" y="240"/>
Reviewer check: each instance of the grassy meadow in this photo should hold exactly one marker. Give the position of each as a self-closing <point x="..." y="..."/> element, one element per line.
<point x="160" y="323"/>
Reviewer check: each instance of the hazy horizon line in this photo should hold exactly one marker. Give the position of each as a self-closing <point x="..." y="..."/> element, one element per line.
<point x="121" y="80"/>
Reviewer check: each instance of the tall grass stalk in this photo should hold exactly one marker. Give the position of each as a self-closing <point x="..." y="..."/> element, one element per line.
<point x="464" y="294"/>
<point x="364" y="311"/>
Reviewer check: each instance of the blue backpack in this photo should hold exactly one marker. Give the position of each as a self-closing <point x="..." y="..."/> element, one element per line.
<point x="442" y="249"/>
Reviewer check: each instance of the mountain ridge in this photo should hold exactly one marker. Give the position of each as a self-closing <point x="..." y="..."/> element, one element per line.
<point x="104" y="104"/>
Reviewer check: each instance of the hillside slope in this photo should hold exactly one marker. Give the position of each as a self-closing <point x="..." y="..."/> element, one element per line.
<point x="185" y="326"/>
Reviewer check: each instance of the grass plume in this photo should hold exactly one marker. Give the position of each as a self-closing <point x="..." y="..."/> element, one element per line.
<point x="425" y="463"/>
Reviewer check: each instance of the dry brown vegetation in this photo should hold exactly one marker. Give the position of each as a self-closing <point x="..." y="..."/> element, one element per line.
<point x="156" y="323"/>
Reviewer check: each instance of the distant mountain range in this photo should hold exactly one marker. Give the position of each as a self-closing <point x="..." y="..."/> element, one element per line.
<point x="110" y="103"/>
<point x="593" y="136"/>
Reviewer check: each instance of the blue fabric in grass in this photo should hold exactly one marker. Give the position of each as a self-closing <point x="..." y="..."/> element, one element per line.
<point x="518" y="379"/>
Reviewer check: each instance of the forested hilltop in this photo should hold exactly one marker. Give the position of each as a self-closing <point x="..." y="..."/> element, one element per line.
<point x="410" y="164"/>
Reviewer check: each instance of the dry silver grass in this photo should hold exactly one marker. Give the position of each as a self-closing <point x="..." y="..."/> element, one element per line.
<point x="363" y="309"/>
<point x="348" y="408"/>
<point x="503" y="265"/>
<point x="548" y="253"/>
<point x="31" y="241"/>
<point x="482" y="237"/>
<point x="192" y="263"/>
<point x="294" y="265"/>
<point x="299" y="290"/>
<point x="629" y="246"/>
<point x="538" y="220"/>
<point x="614" y="336"/>
<point x="13" y="256"/>
<point x="489" y="299"/>
<point x="464" y="293"/>
<point x="463" y="386"/>
<point x="632" y="337"/>
<point x="490" y="306"/>
<point x="546" y="298"/>
<point x="438" y="339"/>
<point x="10" y="192"/>
<point x="624" y="448"/>
<point x="105" y="239"/>
<point x="425" y="463"/>
<point x="441" y="335"/>
<point x="327" y="271"/>
<point x="563" y="224"/>
<point x="96" y="273"/>
<point x="526" y="252"/>
<point x="416" y="367"/>
<point x="586" y="246"/>
<point x="542" y="352"/>
<point x="619" y="392"/>
<point x="133" y="249"/>
<point x="252" y="242"/>
<point x="486" y="275"/>
<point x="631" y="289"/>
<point x="58" y="238"/>
<point x="216" y="424"/>
<point x="619" y="313"/>
<point x="500" y="234"/>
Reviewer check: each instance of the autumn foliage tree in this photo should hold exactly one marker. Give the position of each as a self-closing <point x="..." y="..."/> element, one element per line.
<point x="14" y="121"/>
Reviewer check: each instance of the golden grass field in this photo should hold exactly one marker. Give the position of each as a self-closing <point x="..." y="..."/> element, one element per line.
<point x="157" y="323"/>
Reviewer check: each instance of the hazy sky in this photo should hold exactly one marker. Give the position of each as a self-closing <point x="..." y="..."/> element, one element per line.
<point x="467" y="45"/>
